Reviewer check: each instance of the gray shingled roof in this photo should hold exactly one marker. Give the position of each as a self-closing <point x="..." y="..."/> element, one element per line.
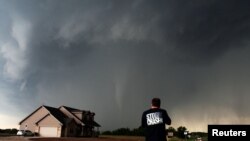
<point x="56" y="113"/>
<point x="72" y="109"/>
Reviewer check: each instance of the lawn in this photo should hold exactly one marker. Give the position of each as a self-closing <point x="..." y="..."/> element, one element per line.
<point x="101" y="138"/>
<point x="137" y="138"/>
<point x="191" y="139"/>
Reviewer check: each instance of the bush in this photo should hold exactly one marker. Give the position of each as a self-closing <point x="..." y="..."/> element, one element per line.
<point x="8" y="131"/>
<point x="125" y="132"/>
<point x="36" y="134"/>
<point x="180" y="131"/>
<point x="122" y="131"/>
<point x="107" y="133"/>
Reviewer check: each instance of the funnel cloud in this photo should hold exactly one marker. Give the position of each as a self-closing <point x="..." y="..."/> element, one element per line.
<point x="112" y="57"/>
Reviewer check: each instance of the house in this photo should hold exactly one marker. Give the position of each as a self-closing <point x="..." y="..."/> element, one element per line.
<point x="60" y="122"/>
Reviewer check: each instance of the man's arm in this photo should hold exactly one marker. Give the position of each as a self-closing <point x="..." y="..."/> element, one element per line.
<point x="143" y="121"/>
<point x="167" y="119"/>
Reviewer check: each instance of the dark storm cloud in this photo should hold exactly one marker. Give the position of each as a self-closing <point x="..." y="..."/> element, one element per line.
<point x="208" y="30"/>
<point x="113" y="57"/>
<point x="201" y="29"/>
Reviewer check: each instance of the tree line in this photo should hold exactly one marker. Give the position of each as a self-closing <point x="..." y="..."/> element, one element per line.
<point x="125" y="132"/>
<point x="179" y="132"/>
<point x="12" y="131"/>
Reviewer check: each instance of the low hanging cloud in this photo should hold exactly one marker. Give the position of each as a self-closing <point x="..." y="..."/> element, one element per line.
<point x="113" y="57"/>
<point x="13" y="49"/>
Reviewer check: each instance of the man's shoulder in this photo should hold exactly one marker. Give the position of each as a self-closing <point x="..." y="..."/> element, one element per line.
<point x="163" y="110"/>
<point x="154" y="110"/>
<point x="146" y="111"/>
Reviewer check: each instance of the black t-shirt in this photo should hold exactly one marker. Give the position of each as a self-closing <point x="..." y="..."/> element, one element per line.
<point x="154" y="120"/>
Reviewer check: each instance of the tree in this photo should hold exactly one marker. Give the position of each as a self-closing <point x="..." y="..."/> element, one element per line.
<point x="138" y="131"/>
<point x="12" y="131"/>
<point x="171" y="129"/>
<point x="171" y="132"/>
<point x="107" y="133"/>
<point x="126" y="132"/>
<point x="122" y="131"/>
<point x="180" y="131"/>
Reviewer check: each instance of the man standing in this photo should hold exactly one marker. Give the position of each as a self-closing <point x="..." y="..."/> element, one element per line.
<point x="154" y="121"/>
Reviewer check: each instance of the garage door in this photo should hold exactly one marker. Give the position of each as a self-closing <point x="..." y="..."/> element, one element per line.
<point x="48" y="131"/>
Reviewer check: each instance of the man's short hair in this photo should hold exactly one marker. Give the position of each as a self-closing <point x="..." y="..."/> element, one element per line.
<point x="156" y="102"/>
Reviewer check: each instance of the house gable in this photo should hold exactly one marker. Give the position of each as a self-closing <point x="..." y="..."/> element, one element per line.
<point x="64" y="110"/>
<point x="49" y="120"/>
<point x="39" y="108"/>
<point x="28" y="123"/>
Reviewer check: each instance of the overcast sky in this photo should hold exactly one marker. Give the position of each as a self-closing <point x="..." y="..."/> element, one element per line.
<point x="112" y="57"/>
